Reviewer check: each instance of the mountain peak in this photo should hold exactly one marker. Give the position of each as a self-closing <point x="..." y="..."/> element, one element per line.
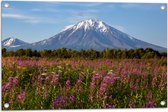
<point x="92" y="24"/>
<point x="91" y="21"/>
<point x="12" y="42"/>
<point x="86" y="34"/>
<point x="11" y="38"/>
<point x="9" y="41"/>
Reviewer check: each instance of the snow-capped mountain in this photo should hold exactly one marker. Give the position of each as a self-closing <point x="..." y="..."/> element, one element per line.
<point x="91" y="34"/>
<point x="12" y="42"/>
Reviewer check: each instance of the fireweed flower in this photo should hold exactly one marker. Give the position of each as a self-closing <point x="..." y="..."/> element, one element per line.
<point x="67" y="84"/>
<point x="110" y="97"/>
<point x="71" y="99"/>
<point x="15" y="80"/>
<point x="10" y="79"/>
<point x="8" y="86"/>
<point x="95" y="78"/>
<point x="32" y="79"/>
<point x="40" y="78"/>
<point x="107" y="81"/>
<point x="123" y="74"/>
<point x="92" y="85"/>
<point x="163" y="81"/>
<point x="21" y="96"/>
<point x="149" y="103"/>
<point x="59" y="101"/>
<point x="154" y="80"/>
<point x="55" y="79"/>
<point x="79" y="81"/>
<point x="47" y="78"/>
<point x="108" y="106"/>
<point x="3" y="88"/>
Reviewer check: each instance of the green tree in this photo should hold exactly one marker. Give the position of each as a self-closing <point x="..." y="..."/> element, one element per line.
<point x="4" y="52"/>
<point x="28" y="52"/>
<point x="20" y="52"/>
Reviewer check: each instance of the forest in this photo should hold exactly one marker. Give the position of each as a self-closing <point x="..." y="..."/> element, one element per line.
<point x="139" y="53"/>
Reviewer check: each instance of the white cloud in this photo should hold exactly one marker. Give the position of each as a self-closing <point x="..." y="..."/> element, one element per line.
<point x="72" y="11"/>
<point x="45" y="10"/>
<point x="29" y="18"/>
<point x="130" y="5"/>
<point x="87" y="4"/>
<point x="15" y="16"/>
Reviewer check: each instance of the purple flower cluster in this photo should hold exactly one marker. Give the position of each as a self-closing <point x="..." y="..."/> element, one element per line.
<point x="94" y="82"/>
<point x="11" y="81"/>
<point x="15" y="80"/>
<point x="71" y="99"/>
<point x="154" y="80"/>
<point x="67" y="84"/>
<point x="3" y="88"/>
<point x="79" y="81"/>
<point x="47" y="78"/>
<point x="150" y="103"/>
<point x="59" y="101"/>
<point x="32" y="79"/>
<point x="8" y="86"/>
<point x="21" y="96"/>
<point x="96" y="77"/>
<point x="130" y="77"/>
<point x="107" y="106"/>
<point x="123" y="74"/>
<point x="163" y="81"/>
<point x="40" y="78"/>
<point x="107" y="81"/>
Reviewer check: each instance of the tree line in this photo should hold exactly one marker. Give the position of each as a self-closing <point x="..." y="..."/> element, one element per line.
<point x="139" y="53"/>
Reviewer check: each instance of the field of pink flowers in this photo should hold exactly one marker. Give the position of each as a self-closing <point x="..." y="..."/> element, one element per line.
<point x="41" y="83"/>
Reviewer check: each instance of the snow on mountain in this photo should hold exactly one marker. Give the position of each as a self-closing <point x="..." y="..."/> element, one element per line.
<point x="12" y="42"/>
<point x="67" y="27"/>
<point x="91" y="34"/>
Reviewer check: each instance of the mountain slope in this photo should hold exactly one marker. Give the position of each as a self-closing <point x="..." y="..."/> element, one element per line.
<point x="91" y="34"/>
<point x="12" y="42"/>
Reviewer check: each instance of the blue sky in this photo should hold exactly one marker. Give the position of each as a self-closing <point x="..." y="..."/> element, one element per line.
<point x="35" y="21"/>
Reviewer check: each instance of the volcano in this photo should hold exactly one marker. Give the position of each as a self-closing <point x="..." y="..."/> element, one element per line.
<point x="90" y="34"/>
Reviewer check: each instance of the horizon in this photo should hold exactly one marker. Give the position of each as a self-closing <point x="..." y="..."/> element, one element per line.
<point x="23" y="15"/>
